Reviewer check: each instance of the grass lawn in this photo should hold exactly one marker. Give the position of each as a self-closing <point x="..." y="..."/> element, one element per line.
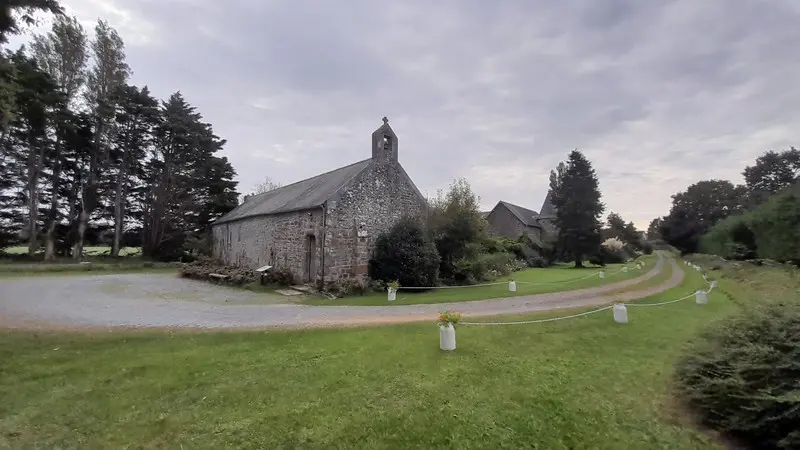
<point x="89" y="251"/>
<point x="30" y="269"/>
<point x="557" y="278"/>
<point x="578" y="383"/>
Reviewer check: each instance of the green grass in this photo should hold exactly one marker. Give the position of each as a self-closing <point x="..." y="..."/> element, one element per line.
<point x="558" y="278"/>
<point x="31" y="269"/>
<point x="578" y="383"/>
<point x="89" y="251"/>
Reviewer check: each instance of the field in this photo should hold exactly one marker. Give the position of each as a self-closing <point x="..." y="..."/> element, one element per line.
<point x="578" y="383"/>
<point x="89" y="251"/>
<point x="553" y="279"/>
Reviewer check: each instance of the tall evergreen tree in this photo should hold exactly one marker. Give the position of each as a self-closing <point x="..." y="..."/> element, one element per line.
<point x="654" y="229"/>
<point x="182" y="170"/>
<point x="576" y="196"/>
<point x="62" y="53"/>
<point x="133" y="134"/>
<point x="106" y="77"/>
<point x="37" y="99"/>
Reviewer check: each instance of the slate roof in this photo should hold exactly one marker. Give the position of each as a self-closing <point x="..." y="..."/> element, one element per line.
<point x="305" y="194"/>
<point x="525" y="215"/>
<point x="548" y="209"/>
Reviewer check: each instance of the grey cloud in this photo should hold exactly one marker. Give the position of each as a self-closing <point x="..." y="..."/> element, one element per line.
<point x="658" y="94"/>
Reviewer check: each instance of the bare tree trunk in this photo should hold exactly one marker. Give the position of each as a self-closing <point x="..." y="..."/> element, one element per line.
<point x="34" y="168"/>
<point x="88" y="194"/>
<point x="119" y="208"/>
<point x="52" y="218"/>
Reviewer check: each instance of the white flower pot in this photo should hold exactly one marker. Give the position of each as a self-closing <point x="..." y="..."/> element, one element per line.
<point x="512" y="286"/>
<point x="392" y="294"/>
<point x="602" y="275"/>
<point x="620" y="313"/>
<point x="701" y="297"/>
<point x="447" y="337"/>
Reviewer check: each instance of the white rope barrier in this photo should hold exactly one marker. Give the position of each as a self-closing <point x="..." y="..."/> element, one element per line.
<point x="517" y="282"/>
<point x="452" y="287"/>
<point x="661" y="303"/>
<point x="552" y="319"/>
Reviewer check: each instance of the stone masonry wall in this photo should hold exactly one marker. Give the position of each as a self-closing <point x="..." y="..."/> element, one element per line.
<point x="366" y="207"/>
<point x="278" y="240"/>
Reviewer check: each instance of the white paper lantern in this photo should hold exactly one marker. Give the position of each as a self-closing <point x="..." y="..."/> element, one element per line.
<point x="620" y="313"/>
<point x="602" y="275"/>
<point x="447" y="337"/>
<point x="392" y="294"/>
<point x="512" y="286"/>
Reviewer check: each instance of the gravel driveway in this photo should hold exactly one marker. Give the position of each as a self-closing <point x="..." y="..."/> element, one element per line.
<point x="153" y="300"/>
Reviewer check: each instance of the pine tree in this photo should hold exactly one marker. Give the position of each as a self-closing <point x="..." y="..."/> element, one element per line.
<point x="576" y="196"/>
<point x="106" y="77"/>
<point x="136" y="117"/>
<point x="62" y="53"/>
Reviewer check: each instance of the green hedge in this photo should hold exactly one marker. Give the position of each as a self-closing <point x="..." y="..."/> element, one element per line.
<point x="741" y="377"/>
<point x="771" y="231"/>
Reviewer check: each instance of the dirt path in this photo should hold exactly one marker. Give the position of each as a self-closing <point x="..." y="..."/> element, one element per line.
<point x="160" y="301"/>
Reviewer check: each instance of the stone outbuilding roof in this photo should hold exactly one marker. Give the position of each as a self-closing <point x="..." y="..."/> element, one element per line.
<point x="306" y="194"/>
<point x="525" y="215"/>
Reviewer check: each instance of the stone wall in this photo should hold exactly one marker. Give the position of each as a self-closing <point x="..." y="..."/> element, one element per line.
<point x="503" y="222"/>
<point x="279" y="240"/>
<point x="368" y="205"/>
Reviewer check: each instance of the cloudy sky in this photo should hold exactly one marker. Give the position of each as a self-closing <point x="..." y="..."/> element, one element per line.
<point x="657" y="94"/>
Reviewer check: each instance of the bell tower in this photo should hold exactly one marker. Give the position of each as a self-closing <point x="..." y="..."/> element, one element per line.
<point x="384" y="143"/>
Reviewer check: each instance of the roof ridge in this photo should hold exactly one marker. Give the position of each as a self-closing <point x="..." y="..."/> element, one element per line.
<point x="309" y="178"/>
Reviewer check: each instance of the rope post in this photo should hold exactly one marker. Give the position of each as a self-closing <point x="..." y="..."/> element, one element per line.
<point x="701" y="297"/>
<point x="512" y="286"/>
<point x="602" y="274"/>
<point x="620" y="313"/>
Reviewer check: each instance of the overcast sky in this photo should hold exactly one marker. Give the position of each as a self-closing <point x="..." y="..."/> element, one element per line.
<point x="657" y="94"/>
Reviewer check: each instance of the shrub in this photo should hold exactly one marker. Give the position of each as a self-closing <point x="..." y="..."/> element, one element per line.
<point x="537" y="261"/>
<point x="405" y="254"/>
<point x="741" y="377"/>
<point x="484" y="267"/>
<point x="612" y="244"/>
<point x="348" y="287"/>
<point x="279" y="276"/>
<point x="647" y="248"/>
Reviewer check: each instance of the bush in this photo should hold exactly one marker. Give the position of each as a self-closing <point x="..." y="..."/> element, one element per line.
<point x="647" y="248"/>
<point x="279" y="276"/>
<point x="741" y="377"/>
<point x="404" y="254"/>
<point x="348" y="287"/>
<point x="537" y="261"/>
